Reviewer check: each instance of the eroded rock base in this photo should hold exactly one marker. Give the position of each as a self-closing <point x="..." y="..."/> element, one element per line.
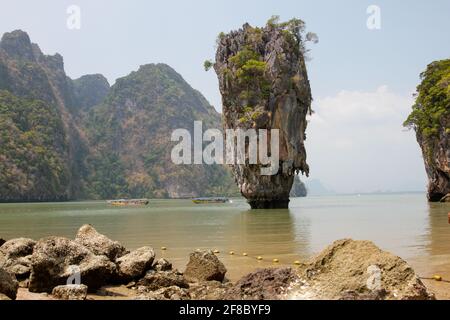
<point x="269" y="204"/>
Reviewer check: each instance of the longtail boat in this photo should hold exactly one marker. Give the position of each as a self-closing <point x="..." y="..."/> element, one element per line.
<point x="210" y="200"/>
<point x="129" y="202"/>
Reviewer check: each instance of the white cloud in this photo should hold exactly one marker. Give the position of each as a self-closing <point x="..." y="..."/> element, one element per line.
<point x="356" y="142"/>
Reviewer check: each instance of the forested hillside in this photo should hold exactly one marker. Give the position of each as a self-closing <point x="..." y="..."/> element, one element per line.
<point x="63" y="139"/>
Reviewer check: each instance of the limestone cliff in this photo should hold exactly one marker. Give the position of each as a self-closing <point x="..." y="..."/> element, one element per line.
<point x="130" y="134"/>
<point x="430" y="119"/>
<point x="264" y="85"/>
<point x="42" y="146"/>
<point x="64" y="139"/>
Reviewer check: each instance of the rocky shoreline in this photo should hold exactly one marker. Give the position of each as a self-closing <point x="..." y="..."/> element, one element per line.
<point x="92" y="266"/>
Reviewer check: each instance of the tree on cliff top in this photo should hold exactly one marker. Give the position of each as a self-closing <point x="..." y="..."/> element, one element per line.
<point x="432" y="100"/>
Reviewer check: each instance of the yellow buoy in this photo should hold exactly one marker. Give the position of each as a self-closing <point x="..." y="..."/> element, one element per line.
<point x="231" y="252"/>
<point x="245" y="254"/>
<point x="276" y="260"/>
<point x="259" y="258"/>
<point x="163" y="248"/>
<point x="437" y="277"/>
<point x="296" y="262"/>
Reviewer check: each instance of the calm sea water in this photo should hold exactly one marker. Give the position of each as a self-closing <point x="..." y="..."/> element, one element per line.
<point x="404" y="224"/>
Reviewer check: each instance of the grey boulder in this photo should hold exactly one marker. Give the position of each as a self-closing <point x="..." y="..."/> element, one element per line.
<point x="154" y="280"/>
<point x="204" y="266"/>
<point x="359" y="270"/>
<point x="8" y="284"/>
<point x="162" y="265"/>
<point x="134" y="264"/>
<point x="99" y="243"/>
<point x="16" y="248"/>
<point x="56" y="260"/>
<point x="70" y="292"/>
<point x="15" y="256"/>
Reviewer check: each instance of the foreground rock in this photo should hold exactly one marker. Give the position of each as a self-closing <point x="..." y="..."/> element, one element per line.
<point x="167" y="293"/>
<point x="204" y="266"/>
<point x="19" y="247"/>
<point x="356" y="270"/>
<point x="99" y="243"/>
<point x="134" y="264"/>
<point x="56" y="259"/>
<point x="264" y="284"/>
<point x="154" y="280"/>
<point x="4" y="297"/>
<point x="70" y="292"/>
<point x="17" y="256"/>
<point x="264" y="85"/>
<point x="20" y="267"/>
<point x="8" y="284"/>
<point x="347" y="269"/>
<point x="162" y="265"/>
<point x="210" y="290"/>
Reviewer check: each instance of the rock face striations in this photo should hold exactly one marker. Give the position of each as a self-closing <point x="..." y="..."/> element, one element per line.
<point x="430" y="119"/>
<point x="264" y="85"/>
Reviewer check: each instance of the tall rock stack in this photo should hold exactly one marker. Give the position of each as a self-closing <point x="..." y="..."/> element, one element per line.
<point x="436" y="152"/>
<point x="264" y="85"/>
<point x="430" y="119"/>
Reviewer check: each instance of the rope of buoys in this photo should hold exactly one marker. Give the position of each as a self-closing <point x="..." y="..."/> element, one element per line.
<point x="435" y="277"/>
<point x="260" y="258"/>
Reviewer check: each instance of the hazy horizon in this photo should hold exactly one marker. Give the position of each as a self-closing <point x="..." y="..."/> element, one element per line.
<point x="362" y="80"/>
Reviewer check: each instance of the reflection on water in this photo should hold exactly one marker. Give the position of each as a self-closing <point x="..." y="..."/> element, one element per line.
<point x="403" y="224"/>
<point x="439" y="229"/>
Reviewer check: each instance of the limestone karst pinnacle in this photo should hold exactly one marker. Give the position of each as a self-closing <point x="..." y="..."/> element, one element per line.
<point x="264" y="85"/>
<point x="430" y="118"/>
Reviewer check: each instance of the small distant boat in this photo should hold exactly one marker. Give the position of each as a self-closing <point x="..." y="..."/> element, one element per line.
<point x="210" y="200"/>
<point x="128" y="202"/>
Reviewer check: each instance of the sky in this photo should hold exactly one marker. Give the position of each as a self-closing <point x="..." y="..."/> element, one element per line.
<point x="362" y="79"/>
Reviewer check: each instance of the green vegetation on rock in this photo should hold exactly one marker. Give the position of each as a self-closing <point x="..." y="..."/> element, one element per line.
<point x="430" y="118"/>
<point x="130" y="134"/>
<point x="264" y="85"/>
<point x="82" y="139"/>
<point x="432" y="101"/>
<point x="32" y="148"/>
<point x="248" y="68"/>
